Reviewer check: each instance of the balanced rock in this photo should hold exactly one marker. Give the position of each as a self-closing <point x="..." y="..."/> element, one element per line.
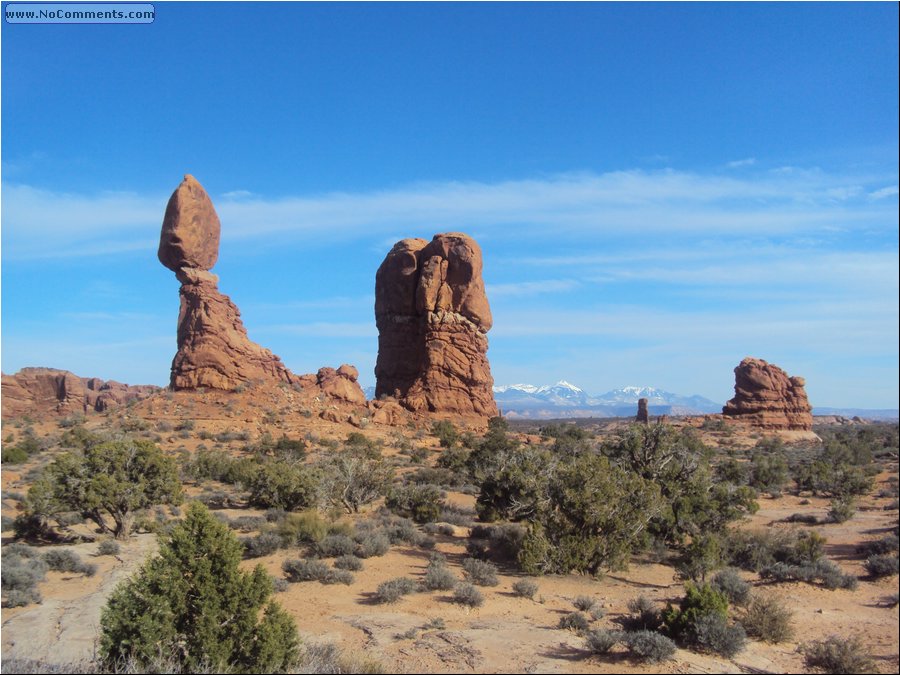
<point x="768" y="398"/>
<point x="190" y="229"/>
<point x="433" y="317"/>
<point x="49" y="390"/>
<point x="642" y="414"/>
<point x="341" y="384"/>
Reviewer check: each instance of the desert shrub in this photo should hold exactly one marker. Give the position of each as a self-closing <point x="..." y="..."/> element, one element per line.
<point x="584" y="603"/>
<point x="22" y="569"/>
<point x="466" y="594"/>
<point x="22" y="597"/>
<point x="756" y="550"/>
<point x="767" y="618"/>
<point x="349" y="562"/>
<point x="372" y="544"/>
<point x="454" y="460"/>
<point x="446" y="433"/>
<point x="804" y="518"/>
<point x="335" y="545"/>
<point x="355" y="476"/>
<point x="422" y="503"/>
<point x="698" y="601"/>
<point x="600" y="641"/>
<point x="768" y="470"/>
<point x="704" y="554"/>
<point x="247" y="523"/>
<point x="306" y="527"/>
<point x="392" y="590"/>
<point x="887" y="544"/>
<point x="525" y="588"/>
<point x="106" y="482"/>
<point x="305" y="570"/>
<point x="283" y="485"/>
<point x="338" y="576"/>
<point x="480" y="572"/>
<point x="400" y="531"/>
<point x="882" y="565"/>
<point x="823" y="571"/>
<point x="279" y="585"/>
<point x="649" y="646"/>
<point x="839" y="655"/>
<point x="840" y="510"/>
<point x="574" y="621"/>
<point x="730" y="584"/>
<point x="263" y="544"/>
<point x="66" y="560"/>
<point x="644" y="615"/>
<point x="712" y="633"/>
<point x="108" y="547"/>
<point x="505" y="541"/>
<point x="439" y="528"/>
<point x="193" y="601"/>
<point x="438" y="577"/>
<point x="891" y="601"/>
<point x="13" y="455"/>
<point x="6" y="523"/>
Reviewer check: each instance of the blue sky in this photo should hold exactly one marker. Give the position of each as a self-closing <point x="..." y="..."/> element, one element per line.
<point x="659" y="189"/>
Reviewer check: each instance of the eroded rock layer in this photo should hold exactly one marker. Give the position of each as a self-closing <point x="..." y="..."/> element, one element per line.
<point x="433" y="317"/>
<point x="48" y="390"/>
<point x="768" y="398"/>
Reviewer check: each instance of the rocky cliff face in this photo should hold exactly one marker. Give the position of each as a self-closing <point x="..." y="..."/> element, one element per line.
<point x="433" y="317"/>
<point x="47" y="390"/>
<point x="768" y="398"/>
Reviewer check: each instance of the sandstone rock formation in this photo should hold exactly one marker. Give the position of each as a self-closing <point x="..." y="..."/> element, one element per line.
<point x="48" y="390"/>
<point x="213" y="347"/>
<point x="767" y="398"/>
<point x="642" y="414"/>
<point x="433" y="316"/>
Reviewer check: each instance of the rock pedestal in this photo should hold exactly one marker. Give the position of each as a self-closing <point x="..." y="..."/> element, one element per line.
<point x="433" y="317"/>
<point x="768" y="398"/>
<point x="642" y="414"/>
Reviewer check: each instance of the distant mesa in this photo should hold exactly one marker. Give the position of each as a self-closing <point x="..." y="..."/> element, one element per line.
<point x="433" y="317"/>
<point x="768" y="398"/>
<point x="48" y="390"/>
<point x="214" y="350"/>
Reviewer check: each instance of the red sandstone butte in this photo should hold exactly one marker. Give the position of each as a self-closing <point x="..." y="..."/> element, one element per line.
<point x="768" y="398"/>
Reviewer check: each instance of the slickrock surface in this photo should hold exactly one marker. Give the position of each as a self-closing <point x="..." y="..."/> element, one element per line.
<point x="433" y="317"/>
<point x="768" y="398"/>
<point x="48" y="390"/>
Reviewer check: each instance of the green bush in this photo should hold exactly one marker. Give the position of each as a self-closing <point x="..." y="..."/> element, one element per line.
<point x="192" y="603"/>
<point x="887" y="544"/>
<point x="698" y="601"/>
<point x="841" y="509"/>
<point x="354" y="477"/>
<point x="446" y="433"/>
<point x="712" y="633"/>
<point x="584" y="603"/>
<point x="335" y="545"/>
<point x="767" y="618"/>
<point x="66" y="560"/>
<point x="263" y="544"/>
<point x="839" y="655"/>
<point x="372" y="544"/>
<point x="281" y="485"/>
<point x="422" y="503"/>
<point x="644" y="615"/>
<point x="306" y="527"/>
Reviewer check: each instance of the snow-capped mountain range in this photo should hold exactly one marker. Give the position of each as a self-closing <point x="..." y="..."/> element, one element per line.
<point x="565" y="399"/>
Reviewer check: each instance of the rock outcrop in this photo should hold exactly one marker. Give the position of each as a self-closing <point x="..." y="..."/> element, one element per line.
<point x="48" y="390"/>
<point x="767" y="398"/>
<point x="214" y="349"/>
<point x="642" y="414"/>
<point x="433" y="317"/>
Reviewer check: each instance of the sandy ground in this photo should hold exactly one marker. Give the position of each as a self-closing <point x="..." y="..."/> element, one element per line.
<point x="508" y="633"/>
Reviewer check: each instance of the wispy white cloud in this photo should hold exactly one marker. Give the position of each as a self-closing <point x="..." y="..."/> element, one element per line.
<point x="41" y="223"/>
<point x="890" y="191"/>
<point x="741" y="163"/>
<point x="523" y="288"/>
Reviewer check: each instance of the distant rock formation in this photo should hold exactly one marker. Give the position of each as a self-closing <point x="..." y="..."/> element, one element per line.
<point x="642" y="414"/>
<point x="213" y="347"/>
<point x="48" y="390"/>
<point x="766" y="397"/>
<point x="433" y="317"/>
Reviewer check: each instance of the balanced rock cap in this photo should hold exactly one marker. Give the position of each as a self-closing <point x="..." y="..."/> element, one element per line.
<point x="190" y="229"/>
